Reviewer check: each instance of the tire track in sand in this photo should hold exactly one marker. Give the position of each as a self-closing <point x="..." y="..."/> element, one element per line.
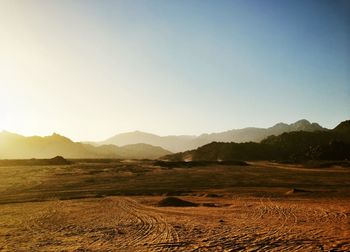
<point x="119" y="223"/>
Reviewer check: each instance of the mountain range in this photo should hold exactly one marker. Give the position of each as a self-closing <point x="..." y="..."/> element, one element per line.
<point x="187" y="142"/>
<point x="139" y="145"/>
<point x="14" y="146"/>
<point x="289" y="146"/>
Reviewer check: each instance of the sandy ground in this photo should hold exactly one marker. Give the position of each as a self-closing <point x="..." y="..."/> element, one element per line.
<point x="226" y="223"/>
<point x="90" y="206"/>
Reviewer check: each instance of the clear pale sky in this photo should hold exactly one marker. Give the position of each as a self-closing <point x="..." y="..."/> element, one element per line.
<point x="91" y="69"/>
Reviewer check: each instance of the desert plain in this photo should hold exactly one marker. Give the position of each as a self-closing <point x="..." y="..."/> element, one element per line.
<point x="142" y="205"/>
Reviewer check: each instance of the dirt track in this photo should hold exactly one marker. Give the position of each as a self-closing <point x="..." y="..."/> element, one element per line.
<point x="133" y="224"/>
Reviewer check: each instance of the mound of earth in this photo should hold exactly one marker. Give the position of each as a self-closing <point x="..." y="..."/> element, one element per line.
<point x="58" y="160"/>
<point x="213" y="195"/>
<point x="175" y="202"/>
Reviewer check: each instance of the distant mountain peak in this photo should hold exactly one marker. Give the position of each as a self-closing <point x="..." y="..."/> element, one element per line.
<point x="6" y="133"/>
<point x="305" y="125"/>
<point x="58" y="137"/>
<point x="136" y="133"/>
<point x="302" y="121"/>
<point x="279" y="125"/>
<point x="300" y="125"/>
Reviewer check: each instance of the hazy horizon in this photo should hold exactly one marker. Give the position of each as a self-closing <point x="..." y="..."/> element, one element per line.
<point x="136" y="130"/>
<point x="91" y="69"/>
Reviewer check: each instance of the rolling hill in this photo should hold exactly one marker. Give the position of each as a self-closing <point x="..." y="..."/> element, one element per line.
<point x="14" y="146"/>
<point x="172" y="143"/>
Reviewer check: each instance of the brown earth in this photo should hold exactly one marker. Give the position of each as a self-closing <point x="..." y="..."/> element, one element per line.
<point x="67" y="208"/>
<point x="134" y="224"/>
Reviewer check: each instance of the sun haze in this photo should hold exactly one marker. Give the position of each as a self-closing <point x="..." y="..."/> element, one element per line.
<point x="90" y="69"/>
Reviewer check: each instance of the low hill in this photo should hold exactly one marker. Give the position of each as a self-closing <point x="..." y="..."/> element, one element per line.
<point x="141" y="151"/>
<point x="293" y="146"/>
<point x="172" y="143"/>
<point x="58" y="160"/>
<point x="183" y="143"/>
<point x="14" y="146"/>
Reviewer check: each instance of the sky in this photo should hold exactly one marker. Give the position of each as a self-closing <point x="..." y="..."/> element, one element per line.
<point x="91" y="69"/>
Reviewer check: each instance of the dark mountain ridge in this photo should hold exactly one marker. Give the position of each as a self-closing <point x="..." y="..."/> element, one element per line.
<point x="292" y="146"/>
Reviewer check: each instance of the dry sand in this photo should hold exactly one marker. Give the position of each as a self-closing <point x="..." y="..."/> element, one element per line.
<point x="137" y="224"/>
<point x="261" y="207"/>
